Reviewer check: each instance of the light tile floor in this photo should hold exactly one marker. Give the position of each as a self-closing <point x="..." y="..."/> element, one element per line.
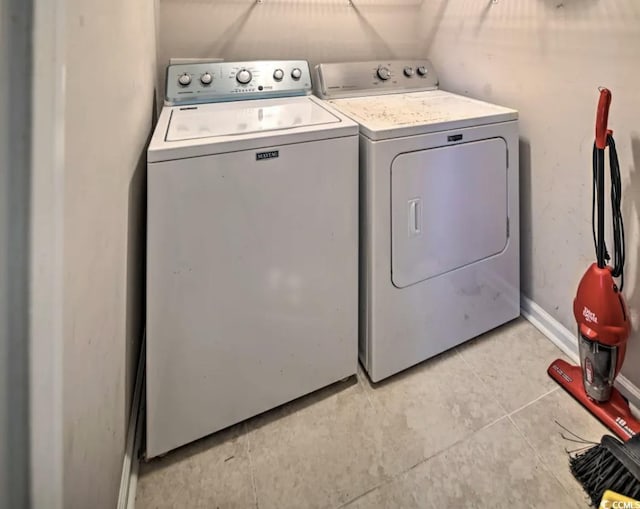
<point x="474" y="427"/>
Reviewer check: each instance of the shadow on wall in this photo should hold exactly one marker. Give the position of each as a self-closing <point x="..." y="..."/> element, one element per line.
<point x="631" y="214"/>
<point x="224" y="43"/>
<point x="316" y="30"/>
<point x="373" y="35"/>
<point x="226" y="39"/>
<point x="435" y="24"/>
<point x="483" y="16"/>
<point x="319" y="31"/>
<point x="526" y="219"/>
<point x="136" y="266"/>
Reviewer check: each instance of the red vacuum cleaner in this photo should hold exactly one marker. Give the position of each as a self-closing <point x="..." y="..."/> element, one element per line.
<point x="599" y="306"/>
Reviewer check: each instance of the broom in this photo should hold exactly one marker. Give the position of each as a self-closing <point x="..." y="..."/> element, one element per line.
<point x="610" y="465"/>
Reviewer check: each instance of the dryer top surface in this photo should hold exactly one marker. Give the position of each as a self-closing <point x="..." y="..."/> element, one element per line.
<point x="389" y="116"/>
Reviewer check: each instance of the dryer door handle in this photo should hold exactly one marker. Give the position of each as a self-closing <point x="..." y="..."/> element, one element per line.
<point x="415" y="217"/>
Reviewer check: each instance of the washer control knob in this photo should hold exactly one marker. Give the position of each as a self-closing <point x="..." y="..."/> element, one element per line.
<point x="206" y="79"/>
<point x="408" y="71"/>
<point x="184" y="79"/>
<point x="422" y="70"/>
<point x="278" y="74"/>
<point x="384" y="73"/>
<point x="243" y="76"/>
<point x="296" y="74"/>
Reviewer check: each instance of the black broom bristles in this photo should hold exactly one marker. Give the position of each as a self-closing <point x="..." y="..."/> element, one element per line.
<point x="606" y="466"/>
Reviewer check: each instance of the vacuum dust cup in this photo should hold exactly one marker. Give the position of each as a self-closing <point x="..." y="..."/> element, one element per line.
<point x="598" y="363"/>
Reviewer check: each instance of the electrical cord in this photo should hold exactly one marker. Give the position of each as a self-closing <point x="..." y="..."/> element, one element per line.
<point x="616" y="212"/>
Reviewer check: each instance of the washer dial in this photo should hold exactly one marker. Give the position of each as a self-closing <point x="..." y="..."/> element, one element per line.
<point x="206" y="79"/>
<point x="244" y="76"/>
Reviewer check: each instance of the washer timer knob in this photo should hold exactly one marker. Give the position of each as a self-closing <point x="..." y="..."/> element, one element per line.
<point x="384" y="73"/>
<point x="422" y="70"/>
<point x="278" y="74"/>
<point x="184" y="79"/>
<point x="296" y="74"/>
<point x="243" y="76"/>
<point x="206" y="79"/>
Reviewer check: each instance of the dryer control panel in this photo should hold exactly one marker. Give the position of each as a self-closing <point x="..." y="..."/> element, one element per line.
<point x="194" y="83"/>
<point x="350" y="79"/>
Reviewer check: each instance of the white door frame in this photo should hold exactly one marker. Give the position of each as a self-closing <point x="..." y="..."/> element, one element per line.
<point x="46" y="262"/>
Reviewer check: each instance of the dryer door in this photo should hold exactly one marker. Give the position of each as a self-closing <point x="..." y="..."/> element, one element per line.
<point x="448" y="208"/>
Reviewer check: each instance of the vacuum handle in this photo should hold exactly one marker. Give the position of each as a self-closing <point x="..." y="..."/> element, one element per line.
<point x="602" y="118"/>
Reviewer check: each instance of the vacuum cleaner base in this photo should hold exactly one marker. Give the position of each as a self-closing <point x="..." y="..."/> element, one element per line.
<point x="615" y="414"/>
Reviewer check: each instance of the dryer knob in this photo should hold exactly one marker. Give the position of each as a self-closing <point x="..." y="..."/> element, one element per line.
<point x="296" y="74"/>
<point x="184" y="79"/>
<point x="422" y="70"/>
<point x="408" y="71"/>
<point x="384" y="73"/>
<point x="243" y="76"/>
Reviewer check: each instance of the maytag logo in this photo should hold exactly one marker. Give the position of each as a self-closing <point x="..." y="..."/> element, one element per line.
<point x="272" y="154"/>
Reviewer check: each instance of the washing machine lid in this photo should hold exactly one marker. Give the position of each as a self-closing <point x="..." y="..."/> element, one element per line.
<point x="245" y="117"/>
<point x="208" y="129"/>
<point x="397" y="115"/>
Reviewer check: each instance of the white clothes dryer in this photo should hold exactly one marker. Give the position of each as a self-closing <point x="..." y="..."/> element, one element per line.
<point x="439" y="245"/>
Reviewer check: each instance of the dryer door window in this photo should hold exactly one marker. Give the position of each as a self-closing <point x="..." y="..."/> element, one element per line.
<point x="448" y="209"/>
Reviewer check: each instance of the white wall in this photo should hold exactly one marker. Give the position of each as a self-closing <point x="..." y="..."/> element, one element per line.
<point x="15" y="59"/>
<point x="110" y="61"/>
<point x="546" y="58"/>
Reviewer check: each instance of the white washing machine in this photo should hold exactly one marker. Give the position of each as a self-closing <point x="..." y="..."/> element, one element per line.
<point x="439" y="211"/>
<point x="252" y="249"/>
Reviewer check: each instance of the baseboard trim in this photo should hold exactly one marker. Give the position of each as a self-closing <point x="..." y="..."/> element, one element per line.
<point x="129" y="478"/>
<point x="566" y="341"/>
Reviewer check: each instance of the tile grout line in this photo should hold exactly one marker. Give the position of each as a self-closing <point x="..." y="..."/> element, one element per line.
<point x="399" y="474"/>
<point x="376" y="408"/>
<point x="251" y="468"/>
<point x="396" y="476"/>
<point x="351" y="501"/>
<point x="533" y="401"/>
<point x="457" y="442"/>
<point x="482" y="382"/>
<point x="365" y="389"/>
<point x="509" y="415"/>
<point x="540" y="459"/>
<point x="506" y="415"/>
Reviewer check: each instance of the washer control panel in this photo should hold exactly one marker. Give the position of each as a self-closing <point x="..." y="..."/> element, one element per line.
<point x="351" y="79"/>
<point x="193" y="83"/>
